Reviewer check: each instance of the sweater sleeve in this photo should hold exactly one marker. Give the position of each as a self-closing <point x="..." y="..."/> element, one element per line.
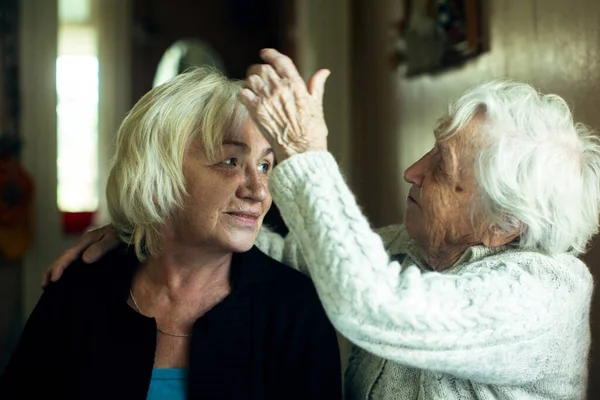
<point x="286" y="249"/>
<point x="491" y="325"/>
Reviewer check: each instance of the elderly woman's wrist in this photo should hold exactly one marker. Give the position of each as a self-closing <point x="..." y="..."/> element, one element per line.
<point x="307" y="158"/>
<point x="286" y="154"/>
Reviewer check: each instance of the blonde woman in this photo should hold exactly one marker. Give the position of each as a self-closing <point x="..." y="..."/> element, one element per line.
<point x="186" y="307"/>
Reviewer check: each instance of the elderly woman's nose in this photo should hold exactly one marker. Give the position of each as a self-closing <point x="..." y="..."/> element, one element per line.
<point x="416" y="172"/>
<point x="255" y="186"/>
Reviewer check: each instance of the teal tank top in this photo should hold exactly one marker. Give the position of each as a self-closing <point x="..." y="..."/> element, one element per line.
<point x="168" y="383"/>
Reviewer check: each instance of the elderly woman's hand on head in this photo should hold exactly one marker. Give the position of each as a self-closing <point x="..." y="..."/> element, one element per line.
<point x="288" y="111"/>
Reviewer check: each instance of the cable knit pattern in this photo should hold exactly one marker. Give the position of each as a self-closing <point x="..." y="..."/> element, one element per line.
<point x="499" y="324"/>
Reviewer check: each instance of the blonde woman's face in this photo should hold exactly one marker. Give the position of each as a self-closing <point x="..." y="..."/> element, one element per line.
<point x="229" y="198"/>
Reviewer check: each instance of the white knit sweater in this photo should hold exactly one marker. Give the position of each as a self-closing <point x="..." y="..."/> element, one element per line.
<point x="503" y="324"/>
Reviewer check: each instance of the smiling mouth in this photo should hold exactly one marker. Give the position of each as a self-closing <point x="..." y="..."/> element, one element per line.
<point x="245" y="218"/>
<point x="244" y="215"/>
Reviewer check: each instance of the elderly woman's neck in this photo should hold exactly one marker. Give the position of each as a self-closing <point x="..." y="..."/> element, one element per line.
<point x="188" y="270"/>
<point x="443" y="258"/>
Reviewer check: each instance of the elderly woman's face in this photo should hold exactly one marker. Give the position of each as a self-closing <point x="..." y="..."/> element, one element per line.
<point x="229" y="198"/>
<point x="443" y="185"/>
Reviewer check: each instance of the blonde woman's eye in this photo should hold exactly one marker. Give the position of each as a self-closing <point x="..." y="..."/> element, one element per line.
<point x="230" y="161"/>
<point x="264" y="167"/>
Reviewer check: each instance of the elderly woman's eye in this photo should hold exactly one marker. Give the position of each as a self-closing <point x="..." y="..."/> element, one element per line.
<point x="440" y="170"/>
<point x="264" y="167"/>
<point x="230" y="161"/>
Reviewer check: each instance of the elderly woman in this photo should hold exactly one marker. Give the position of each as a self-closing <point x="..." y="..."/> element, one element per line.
<point x="480" y="295"/>
<point x="188" y="308"/>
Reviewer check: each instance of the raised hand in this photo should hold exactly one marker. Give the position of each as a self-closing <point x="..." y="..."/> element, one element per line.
<point x="288" y="111"/>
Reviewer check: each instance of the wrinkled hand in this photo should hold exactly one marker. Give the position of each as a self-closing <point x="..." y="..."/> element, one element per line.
<point x="93" y="244"/>
<point x="288" y="112"/>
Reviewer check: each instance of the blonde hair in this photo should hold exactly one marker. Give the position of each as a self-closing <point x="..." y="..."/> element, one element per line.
<point x="146" y="182"/>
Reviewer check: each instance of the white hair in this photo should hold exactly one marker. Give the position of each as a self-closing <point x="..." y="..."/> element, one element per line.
<point x="537" y="170"/>
<point x="146" y="182"/>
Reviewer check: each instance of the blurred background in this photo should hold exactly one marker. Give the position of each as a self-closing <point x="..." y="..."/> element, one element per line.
<point x="71" y="69"/>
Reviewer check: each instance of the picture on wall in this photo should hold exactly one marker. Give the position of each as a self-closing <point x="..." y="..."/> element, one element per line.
<point x="435" y="35"/>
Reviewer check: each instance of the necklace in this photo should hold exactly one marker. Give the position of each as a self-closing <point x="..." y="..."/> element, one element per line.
<point x="181" y="335"/>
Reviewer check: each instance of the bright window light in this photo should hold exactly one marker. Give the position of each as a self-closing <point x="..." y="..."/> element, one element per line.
<point x="77" y="114"/>
<point x="77" y="82"/>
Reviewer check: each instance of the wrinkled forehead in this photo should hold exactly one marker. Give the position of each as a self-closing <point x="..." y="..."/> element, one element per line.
<point x="459" y="145"/>
<point x="449" y="129"/>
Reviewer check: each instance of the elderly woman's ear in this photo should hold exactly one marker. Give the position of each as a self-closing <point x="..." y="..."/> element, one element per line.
<point x="494" y="236"/>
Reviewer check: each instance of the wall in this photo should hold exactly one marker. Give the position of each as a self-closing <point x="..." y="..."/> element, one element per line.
<point x="38" y="49"/>
<point x="235" y="29"/>
<point x="113" y="21"/>
<point x="10" y="271"/>
<point x="553" y="44"/>
<point x="375" y="174"/>
<point x="322" y="32"/>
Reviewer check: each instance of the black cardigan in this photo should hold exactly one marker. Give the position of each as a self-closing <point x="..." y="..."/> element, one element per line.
<point x="269" y="339"/>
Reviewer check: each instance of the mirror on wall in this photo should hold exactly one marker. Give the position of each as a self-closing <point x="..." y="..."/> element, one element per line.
<point x="183" y="54"/>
